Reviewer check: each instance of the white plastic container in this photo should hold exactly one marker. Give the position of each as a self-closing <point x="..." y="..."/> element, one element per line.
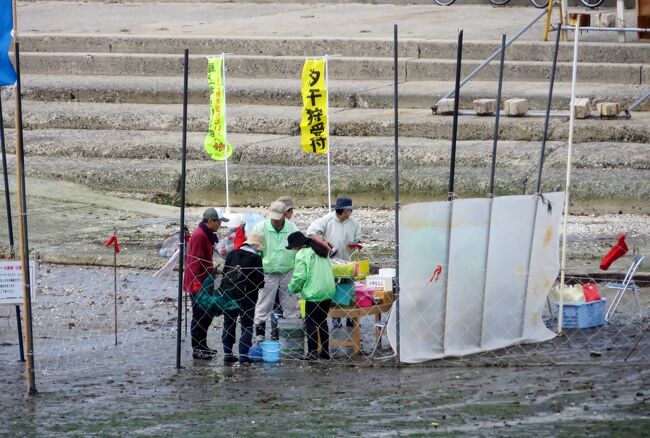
<point x="387" y="272"/>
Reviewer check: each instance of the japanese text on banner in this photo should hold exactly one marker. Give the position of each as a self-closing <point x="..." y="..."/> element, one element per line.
<point x="215" y="141"/>
<point x="313" y="123"/>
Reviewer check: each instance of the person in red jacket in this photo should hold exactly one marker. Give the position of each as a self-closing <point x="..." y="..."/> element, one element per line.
<point x="198" y="265"/>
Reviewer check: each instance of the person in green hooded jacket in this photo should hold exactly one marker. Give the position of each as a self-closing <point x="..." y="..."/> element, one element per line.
<point x="313" y="279"/>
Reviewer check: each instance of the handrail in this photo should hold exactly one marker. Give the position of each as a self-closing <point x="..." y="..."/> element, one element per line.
<point x="639" y="101"/>
<point x="495" y="54"/>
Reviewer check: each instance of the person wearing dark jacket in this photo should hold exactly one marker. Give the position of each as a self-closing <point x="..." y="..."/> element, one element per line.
<point x="198" y="266"/>
<point x="243" y="277"/>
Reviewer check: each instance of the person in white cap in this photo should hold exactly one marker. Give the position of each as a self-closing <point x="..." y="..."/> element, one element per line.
<point x="198" y="265"/>
<point x="278" y="263"/>
<point x="289" y="206"/>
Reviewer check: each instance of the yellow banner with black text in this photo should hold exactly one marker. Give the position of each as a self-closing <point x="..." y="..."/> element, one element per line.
<point x="215" y="141"/>
<point x="313" y="123"/>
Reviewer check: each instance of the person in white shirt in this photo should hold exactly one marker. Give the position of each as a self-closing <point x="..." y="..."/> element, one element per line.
<point x="340" y="231"/>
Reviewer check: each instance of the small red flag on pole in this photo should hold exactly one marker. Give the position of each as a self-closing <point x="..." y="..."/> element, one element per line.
<point x="113" y="241"/>
<point x="116" y="248"/>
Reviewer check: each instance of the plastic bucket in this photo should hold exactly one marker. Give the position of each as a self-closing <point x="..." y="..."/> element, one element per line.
<point x="344" y="293"/>
<point x="292" y="335"/>
<point x="255" y="354"/>
<point x="271" y="351"/>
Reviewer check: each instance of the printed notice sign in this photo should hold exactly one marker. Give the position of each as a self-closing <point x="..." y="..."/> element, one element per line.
<point x="11" y="281"/>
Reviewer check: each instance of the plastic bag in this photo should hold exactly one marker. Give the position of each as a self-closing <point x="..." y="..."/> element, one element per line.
<point x="590" y="291"/>
<point x="569" y="294"/>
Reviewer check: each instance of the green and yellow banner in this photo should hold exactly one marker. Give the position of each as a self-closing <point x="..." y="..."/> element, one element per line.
<point x="215" y="141"/>
<point x="313" y="123"/>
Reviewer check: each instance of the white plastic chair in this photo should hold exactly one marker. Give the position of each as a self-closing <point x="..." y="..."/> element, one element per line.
<point x="626" y="285"/>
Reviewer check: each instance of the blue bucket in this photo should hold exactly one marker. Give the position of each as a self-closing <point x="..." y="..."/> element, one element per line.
<point x="271" y="351"/>
<point x="255" y="354"/>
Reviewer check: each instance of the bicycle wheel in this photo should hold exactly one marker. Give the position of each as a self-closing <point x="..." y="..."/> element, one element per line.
<point x="592" y="4"/>
<point x="444" y="2"/>
<point x="539" y="4"/>
<point x="499" y="2"/>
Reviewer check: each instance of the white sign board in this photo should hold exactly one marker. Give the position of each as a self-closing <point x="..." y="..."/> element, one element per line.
<point x="11" y="281"/>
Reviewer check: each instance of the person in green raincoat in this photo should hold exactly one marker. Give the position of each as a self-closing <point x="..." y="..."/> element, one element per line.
<point x="313" y="279"/>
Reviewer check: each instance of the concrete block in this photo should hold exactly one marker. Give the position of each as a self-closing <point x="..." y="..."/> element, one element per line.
<point x="608" y="109"/>
<point x="607" y="19"/>
<point x="445" y="107"/>
<point x="484" y="107"/>
<point x="582" y="108"/>
<point x="585" y="19"/>
<point x="516" y="107"/>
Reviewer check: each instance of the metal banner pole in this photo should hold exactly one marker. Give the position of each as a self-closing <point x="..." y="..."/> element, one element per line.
<point x="539" y="180"/>
<point x="452" y="170"/>
<point x="454" y="128"/>
<point x="491" y="187"/>
<point x="24" y="235"/>
<point x="181" y="244"/>
<point x="548" y="110"/>
<point x="396" y="178"/>
<point x="497" y="115"/>
<point x="10" y="226"/>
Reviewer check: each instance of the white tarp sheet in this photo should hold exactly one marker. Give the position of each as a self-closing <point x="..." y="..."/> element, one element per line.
<point x="498" y="265"/>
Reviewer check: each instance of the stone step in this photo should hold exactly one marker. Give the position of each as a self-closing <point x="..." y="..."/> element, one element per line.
<point x="521" y="3"/>
<point x="287" y="67"/>
<point x="362" y="94"/>
<point x="284" y="120"/>
<point x="250" y="183"/>
<point x="351" y="151"/>
<point x="636" y="53"/>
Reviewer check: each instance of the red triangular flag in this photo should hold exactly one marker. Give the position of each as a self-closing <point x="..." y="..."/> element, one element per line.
<point x="619" y="250"/>
<point x="113" y="240"/>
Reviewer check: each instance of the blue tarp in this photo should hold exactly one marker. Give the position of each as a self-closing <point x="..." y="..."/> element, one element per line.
<point x="7" y="72"/>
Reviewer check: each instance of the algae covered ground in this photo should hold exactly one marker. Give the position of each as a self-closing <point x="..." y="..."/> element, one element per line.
<point x="88" y="386"/>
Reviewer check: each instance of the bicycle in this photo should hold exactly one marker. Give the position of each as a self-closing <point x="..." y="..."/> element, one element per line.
<point x="540" y="4"/>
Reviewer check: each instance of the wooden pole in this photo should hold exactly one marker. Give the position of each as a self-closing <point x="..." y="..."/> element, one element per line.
<point x="24" y="241"/>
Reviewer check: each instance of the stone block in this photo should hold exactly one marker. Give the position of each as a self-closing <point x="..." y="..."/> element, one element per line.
<point x="585" y="19"/>
<point x="608" y="109"/>
<point x="484" y="107"/>
<point x="444" y="107"/>
<point x="516" y="107"/>
<point x="582" y="107"/>
<point x="607" y="19"/>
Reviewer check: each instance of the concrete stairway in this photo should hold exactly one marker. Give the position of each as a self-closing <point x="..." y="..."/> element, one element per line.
<point x="106" y="111"/>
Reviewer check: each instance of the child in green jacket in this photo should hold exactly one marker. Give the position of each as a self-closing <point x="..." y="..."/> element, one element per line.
<point x="313" y="279"/>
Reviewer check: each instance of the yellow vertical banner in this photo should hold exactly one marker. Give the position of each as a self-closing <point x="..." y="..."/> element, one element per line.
<point x="215" y="141"/>
<point x="313" y="123"/>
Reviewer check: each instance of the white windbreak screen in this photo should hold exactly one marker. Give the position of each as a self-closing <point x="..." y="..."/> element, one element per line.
<point x="499" y="259"/>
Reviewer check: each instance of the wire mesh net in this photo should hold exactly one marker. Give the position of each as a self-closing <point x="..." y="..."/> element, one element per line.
<point x="244" y="311"/>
